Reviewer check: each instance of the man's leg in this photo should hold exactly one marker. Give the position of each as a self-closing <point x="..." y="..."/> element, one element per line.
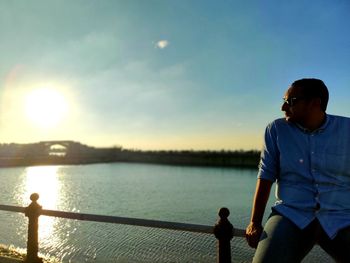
<point x="283" y="241"/>
<point x="339" y="247"/>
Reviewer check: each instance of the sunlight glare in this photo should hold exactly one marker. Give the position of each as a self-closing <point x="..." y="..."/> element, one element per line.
<point x="44" y="181"/>
<point x="45" y="107"/>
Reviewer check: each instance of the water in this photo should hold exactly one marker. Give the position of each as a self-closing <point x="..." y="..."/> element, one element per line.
<point x="169" y="193"/>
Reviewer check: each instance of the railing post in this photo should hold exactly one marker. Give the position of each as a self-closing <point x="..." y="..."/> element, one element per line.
<point x="33" y="212"/>
<point x="224" y="232"/>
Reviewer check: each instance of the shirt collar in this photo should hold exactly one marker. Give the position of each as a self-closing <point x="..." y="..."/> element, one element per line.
<point x="320" y="129"/>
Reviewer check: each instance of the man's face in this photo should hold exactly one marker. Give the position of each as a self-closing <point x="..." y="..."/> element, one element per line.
<point x="295" y="106"/>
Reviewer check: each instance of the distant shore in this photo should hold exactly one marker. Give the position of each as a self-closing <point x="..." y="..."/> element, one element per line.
<point x="71" y="152"/>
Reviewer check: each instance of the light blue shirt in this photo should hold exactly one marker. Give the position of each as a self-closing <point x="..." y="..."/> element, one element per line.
<point x="310" y="168"/>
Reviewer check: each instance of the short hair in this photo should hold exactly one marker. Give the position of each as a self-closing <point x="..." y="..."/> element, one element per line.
<point x="314" y="88"/>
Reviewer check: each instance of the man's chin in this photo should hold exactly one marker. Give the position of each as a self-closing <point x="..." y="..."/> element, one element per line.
<point x="289" y="119"/>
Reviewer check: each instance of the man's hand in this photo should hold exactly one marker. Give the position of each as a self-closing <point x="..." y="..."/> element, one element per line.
<point x="253" y="233"/>
<point x="254" y="229"/>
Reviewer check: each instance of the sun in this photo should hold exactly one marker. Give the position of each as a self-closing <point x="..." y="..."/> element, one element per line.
<point x="46" y="107"/>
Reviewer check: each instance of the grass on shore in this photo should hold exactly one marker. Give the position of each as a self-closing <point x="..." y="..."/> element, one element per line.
<point x="11" y="252"/>
<point x="20" y="254"/>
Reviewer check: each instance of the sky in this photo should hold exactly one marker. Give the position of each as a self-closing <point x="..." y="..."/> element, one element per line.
<point x="164" y="74"/>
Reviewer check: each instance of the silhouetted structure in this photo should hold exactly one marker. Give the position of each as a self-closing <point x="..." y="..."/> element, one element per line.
<point x="70" y="152"/>
<point x="224" y="232"/>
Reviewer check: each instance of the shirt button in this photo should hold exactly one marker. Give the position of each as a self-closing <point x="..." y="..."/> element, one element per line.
<point x="317" y="208"/>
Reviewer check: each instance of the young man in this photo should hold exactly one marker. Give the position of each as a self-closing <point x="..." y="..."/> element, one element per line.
<point x="307" y="154"/>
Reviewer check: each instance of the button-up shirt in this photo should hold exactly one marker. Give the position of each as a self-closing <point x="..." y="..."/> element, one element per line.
<point x="311" y="171"/>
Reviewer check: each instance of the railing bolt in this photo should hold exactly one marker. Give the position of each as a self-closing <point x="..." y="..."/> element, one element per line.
<point x="33" y="212"/>
<point x="224" y="232"/>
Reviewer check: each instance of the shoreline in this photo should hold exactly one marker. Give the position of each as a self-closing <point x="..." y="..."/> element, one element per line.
<point x="70" y="152"/>
<point x="9" y="254"/>
<point x="243" y="164"/>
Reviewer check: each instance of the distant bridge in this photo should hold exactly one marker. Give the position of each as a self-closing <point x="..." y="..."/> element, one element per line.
<point x="65" y="144"/>
<point x="53" y="152"/>
<point x="69" y="147"/>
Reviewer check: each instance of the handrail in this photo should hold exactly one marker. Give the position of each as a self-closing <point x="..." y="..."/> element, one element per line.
<point x="223" y="230"/>
<point x="205" y="229"/>
<point x="131" y="221"/>
<point x="11" y="208"/>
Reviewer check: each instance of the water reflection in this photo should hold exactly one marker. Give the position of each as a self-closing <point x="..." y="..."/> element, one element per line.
<point x="43" y="180"/>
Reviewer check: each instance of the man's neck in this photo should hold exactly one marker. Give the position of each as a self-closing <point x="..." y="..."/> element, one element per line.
<point x="314" y="122"/>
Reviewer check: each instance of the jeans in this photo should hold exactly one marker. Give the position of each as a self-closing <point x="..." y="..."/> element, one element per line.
<point x="282" y="241"/>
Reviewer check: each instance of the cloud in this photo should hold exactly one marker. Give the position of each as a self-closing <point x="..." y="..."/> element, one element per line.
<point x="162" y="44"/>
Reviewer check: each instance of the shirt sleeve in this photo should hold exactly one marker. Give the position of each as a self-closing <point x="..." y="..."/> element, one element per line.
<point x="269" y="159"/>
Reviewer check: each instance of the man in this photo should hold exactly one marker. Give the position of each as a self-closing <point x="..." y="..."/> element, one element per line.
<point x="307" y="154"/>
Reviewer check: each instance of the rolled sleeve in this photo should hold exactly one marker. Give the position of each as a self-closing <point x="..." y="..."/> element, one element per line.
<point x="269" y="160"/>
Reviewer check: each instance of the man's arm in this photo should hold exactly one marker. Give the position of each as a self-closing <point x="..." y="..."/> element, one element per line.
<point x="254" y="229"/>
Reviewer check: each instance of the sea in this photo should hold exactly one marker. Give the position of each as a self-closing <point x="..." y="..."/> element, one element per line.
<point x="182" y="194"/>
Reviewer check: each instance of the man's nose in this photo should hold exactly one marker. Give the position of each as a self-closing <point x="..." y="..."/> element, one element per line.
<point x="284" y="106"/>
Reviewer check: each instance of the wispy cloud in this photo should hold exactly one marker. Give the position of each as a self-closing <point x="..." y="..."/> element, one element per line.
<point x="162" y="44"/>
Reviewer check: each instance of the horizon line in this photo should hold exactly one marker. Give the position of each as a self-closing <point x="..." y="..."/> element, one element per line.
<point x="133" y="148"/>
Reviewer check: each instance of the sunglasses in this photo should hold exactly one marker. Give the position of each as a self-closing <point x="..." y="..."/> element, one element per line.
<point x="292" y="101"/>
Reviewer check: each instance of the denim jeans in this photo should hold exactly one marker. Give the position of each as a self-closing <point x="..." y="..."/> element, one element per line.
<point x="282" y="241"/>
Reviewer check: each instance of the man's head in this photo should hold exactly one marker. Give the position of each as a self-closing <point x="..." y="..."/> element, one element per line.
<point x="305" y="101"/>
<point x="313" y="89"/>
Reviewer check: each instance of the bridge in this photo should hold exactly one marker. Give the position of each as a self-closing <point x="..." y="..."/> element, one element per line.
<point x="62" y="147"/>
<point x="65" y="144"/>
<point x="48" y="152"/>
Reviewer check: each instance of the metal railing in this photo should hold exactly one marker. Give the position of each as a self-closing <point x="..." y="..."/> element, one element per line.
<point x="223" y="229"/>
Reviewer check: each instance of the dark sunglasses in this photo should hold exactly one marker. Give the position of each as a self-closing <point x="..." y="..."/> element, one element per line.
<point x="292" y="101"/>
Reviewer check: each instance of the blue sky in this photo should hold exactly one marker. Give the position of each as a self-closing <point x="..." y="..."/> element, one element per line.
<point x="161" y="74"/>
